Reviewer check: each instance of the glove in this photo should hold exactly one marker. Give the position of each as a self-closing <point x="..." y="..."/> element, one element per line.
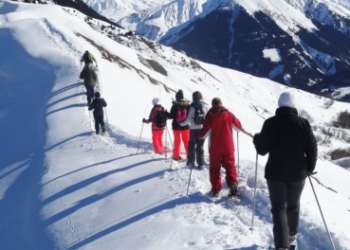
<point x="144" y="120"/>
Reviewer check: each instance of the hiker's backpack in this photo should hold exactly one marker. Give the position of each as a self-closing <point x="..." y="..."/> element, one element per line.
<point x="160" y="117"/>
<point x="181" y="114"/>
<point x="91" y="75"/>
<point x="198" y="114"/>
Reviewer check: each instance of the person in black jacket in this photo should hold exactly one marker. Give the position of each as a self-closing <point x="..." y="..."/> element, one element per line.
<point x="179" y="113"/>
<point x="97" y="105"/>
<point x="292" y="149"/>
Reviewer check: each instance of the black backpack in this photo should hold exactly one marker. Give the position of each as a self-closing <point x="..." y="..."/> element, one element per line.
<point x="198" y="113"/>
<point x="161" y="118"/>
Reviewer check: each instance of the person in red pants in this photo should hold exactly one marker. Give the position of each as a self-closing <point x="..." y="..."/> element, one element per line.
<point x="219" y="123"/>
<point x="158" y="118"/>
<point x="178" y="114"/>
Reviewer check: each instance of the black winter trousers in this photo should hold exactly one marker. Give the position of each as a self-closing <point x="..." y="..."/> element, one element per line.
<point x="99" y="122"/>
<point x="285" y="203"/>
<point x="90" y="92"/>
<point x="195" y="148"/>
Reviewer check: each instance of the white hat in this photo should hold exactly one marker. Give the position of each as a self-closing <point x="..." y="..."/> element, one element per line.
<point x="286" y="99"/>
<point x="155" y="101"/>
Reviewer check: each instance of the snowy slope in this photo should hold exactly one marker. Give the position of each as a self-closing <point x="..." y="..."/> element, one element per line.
<point x="158" y="21"/>
<point x="63" y="187"/>
<point x="311" y="36"/>
<point x="290" y="15"/>
<point x="119" y="9"/>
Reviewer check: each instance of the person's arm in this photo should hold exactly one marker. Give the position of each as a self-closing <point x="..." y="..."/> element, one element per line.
<point x="206" y="126"/>
<point x="262" y="141"/>
<point x="104" y="103"/>
<point x="92" y="105"/>
<point x="236" y="122"/>
<point x="310" y="148"/>
<point x="82" y="74"/>
<point x="150" y="118"/>
<point x="171" y="114"/>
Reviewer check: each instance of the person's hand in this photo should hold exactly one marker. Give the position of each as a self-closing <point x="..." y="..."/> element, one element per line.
<point x="144" y="120"/>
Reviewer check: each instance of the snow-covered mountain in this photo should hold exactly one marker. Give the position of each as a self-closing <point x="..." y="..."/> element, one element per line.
<point x="119" y="9"/>
<point x="309" y="37"/>
<point x="63" y="187"/>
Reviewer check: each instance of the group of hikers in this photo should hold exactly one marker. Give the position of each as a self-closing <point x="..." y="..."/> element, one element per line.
<point x="286" y="137"/>
<point x="94" y="100"/>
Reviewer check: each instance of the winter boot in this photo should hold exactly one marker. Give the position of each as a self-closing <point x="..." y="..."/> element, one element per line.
<point x="190" y="165"/>
<point x="234" y="190"/>
<point x="214" y="193"/>
<point x="293" y="243"/>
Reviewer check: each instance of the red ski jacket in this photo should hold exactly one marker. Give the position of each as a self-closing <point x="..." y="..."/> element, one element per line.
<point x="219" y="122"/>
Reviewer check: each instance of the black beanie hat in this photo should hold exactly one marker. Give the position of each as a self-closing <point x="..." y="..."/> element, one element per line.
<point x="97" y="94"/>
<point x="216" y="102"/>
<point x="197" y="96"/>
<point x="179" y="95"/>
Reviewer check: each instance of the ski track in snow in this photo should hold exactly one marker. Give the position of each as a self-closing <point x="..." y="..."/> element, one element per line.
<point x="64" y="187"/>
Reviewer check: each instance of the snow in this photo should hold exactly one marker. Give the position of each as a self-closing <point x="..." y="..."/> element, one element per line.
<point x="119" y="9"/>
<point x="63" y="187"/>
<point x="165" y="20"/>
<point x="341" y="93"/>
<point x="272" y="54"/>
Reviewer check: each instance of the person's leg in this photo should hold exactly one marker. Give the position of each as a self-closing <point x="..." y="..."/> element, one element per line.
<point x="160" y="141"/>
<point x="97" y="125"/>
<point x="185" y="136"/>
<point x="214" y="172"/>
<point x="154" y="141"/>
<point x="294" y="190"/>
<point x="102" y="123"/>
<point x="278" y="198"/>
<point x="200" y="152"/>
<point x="191" y="148"/>
<point x="90" y="93"/>
<point x="177" y="140"/>
<point x="157" y="141"/>
<point x="231" y="172"/>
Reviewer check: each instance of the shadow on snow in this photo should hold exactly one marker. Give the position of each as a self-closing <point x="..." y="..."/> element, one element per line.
<point x="22" y="133"/>
<point x="193" y="199"/>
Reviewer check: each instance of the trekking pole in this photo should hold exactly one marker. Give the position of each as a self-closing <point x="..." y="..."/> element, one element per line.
<point x="322" y="215"/>
<point x="189" y="181"/>
<point x="254" y="195"/>
<point x="166" y="144"/>
<point x="139" y="141"/>
<point x="171" y="143"/>
<point x="238" y="162"/>
<point x="107" y="122"/>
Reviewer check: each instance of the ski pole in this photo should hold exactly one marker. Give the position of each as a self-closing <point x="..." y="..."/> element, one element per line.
<point x="189" y="181"/>
<point x="322" y="215"/>
<point x="171" y="143"/>
<point x="254" y="195"/>
<point x="139" y="141"/>
<point x="107" y="122"/>
<point x="166" y="144"/>
<point x="238" y="162"/>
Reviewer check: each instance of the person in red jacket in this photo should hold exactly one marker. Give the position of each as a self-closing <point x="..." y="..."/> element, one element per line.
<point x="158" y="118"/>
<point x="219" y="123"/>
